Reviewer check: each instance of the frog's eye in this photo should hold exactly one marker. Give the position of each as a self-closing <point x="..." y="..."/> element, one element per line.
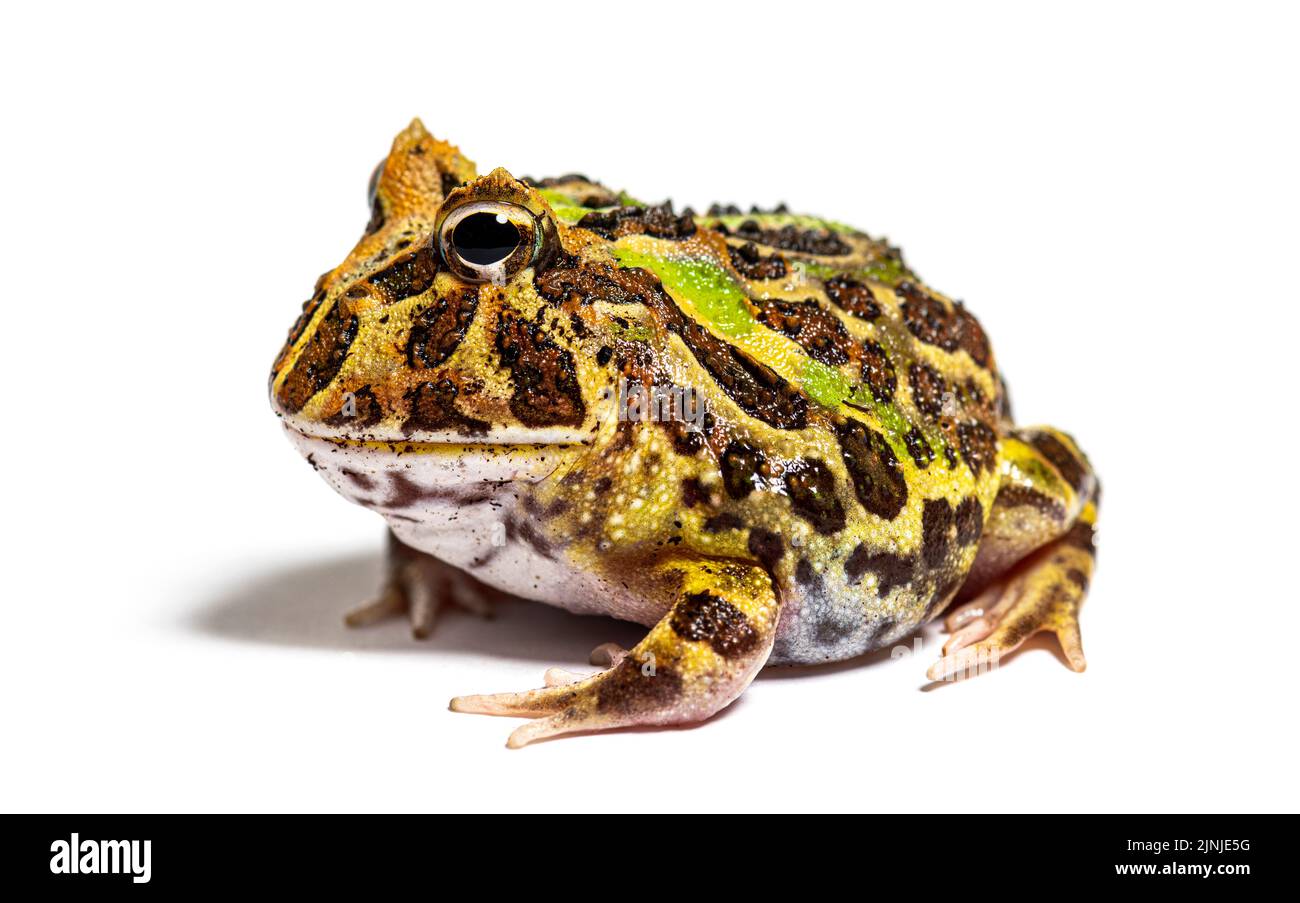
<point x="488" y="241"/>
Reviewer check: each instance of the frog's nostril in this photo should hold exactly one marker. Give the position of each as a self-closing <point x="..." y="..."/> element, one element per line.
<point x="485" y="238"/>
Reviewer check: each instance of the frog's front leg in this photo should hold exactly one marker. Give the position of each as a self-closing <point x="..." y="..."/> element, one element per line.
<point x="693" y="663"/>
<point x="1035" y="558"/>
<point x="420" y="585"/>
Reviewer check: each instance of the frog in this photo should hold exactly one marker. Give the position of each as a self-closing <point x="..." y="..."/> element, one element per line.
<point x="757" y="433"/>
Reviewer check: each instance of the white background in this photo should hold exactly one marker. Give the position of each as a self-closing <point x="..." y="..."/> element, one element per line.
<point x="1112" y="189"/>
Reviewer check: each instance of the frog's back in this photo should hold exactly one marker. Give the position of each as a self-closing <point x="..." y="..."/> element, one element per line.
<point x="854" y="415"/>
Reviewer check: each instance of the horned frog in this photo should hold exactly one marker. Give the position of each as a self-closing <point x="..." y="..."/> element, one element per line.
<point x="820" y="457"/>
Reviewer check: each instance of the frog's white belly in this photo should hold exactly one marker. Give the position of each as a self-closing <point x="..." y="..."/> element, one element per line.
<point x="476" y="538"/>
<point x="462" y="506"/>
<point x="464" y="510"/>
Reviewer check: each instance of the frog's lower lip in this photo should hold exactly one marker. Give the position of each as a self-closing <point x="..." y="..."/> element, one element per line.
<point x="500" y="437"/>
<point x="439" y="466"/>
<point x="407" y="446"/>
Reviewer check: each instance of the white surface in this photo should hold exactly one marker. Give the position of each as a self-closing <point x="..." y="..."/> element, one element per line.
<point x="1113" y="190"/>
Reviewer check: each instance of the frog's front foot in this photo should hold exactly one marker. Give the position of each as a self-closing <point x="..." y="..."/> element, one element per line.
<point x="421" y="585"/>
<point x="693" y="663"/>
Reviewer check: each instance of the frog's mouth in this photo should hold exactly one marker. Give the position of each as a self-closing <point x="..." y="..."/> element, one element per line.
<point x="505" y="435"/>
<point x="348" y="462"/>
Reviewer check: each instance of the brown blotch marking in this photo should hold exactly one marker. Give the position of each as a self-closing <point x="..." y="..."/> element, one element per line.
<point x="920" y="450"/>
<point x="1071" y="469"/>
<point x="309" y="308"/>
<point x="740" y="465"/>
<point x="1081" y="536"/>
<point x="529" y="533"/>
<point x="877" y="475"/>
<point x="766" y="546"/>
<point x="366" y="407"/>
<point x="1013" y="496"/>
<point x="805" y="574"/>
<point x="560" y="181"/>
<point x="756" y="388"/>
<point x="440" y="328"/>
<point x="360" y="480"/>
<point x="833" y="628"/>
<point x="927" y="318"/>
<point x="733" y="210"/>
<point x="546" y="390"/>
<point x="979" y="445"/>
<point x="928" y="388"/>
<point x="569" y="279"/>
<point x="822" y="242"/>
<point x="936" y="525"/>
<point x="706" y="618"/>
<point x="970" y="520"/>
<point x="477" y="561"/>
<point x="891" y="570"/>
<point x="1078" y="578"/>
<point x="878" y="371"/>
<point x="626" y="690"/>
<point x="971" y="336"/>
<point x="1055" y="595"/>
<point x="852" y="296"/>
<point x="752" y="264"/>
<point x="724" y="521"/>
<point x="931" y="321"/>
<point x="693" y="492"/>
<point x="686" y="440"/>
<point x="409" y="275"/>
<point x="433" y="408"/>
<point x="659" y="221"/>
<point x="319" y="362"/>
<point x="810" y="326"/>
<point x="404" y="492"/>
<point x="811" y="487"/>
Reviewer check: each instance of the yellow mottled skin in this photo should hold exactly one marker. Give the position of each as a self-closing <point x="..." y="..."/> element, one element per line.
<point x="856" y="470"/>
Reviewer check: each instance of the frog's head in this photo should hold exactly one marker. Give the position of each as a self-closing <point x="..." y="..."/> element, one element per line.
<point x="432" y="332"/>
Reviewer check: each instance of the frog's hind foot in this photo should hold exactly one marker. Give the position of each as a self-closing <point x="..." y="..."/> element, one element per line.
<point x="1043" y="594"/>
<point x="693" y="663"/>
<point x="420" y="586"/>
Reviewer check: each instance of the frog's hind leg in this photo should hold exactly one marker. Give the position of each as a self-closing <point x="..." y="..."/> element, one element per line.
<point x="1035" y="559"/>
<point x="693" y="663"/>
<point x="420" y="586"/>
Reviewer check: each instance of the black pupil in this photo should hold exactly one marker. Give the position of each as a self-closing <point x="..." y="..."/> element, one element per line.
<point x="482" y="239"/>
